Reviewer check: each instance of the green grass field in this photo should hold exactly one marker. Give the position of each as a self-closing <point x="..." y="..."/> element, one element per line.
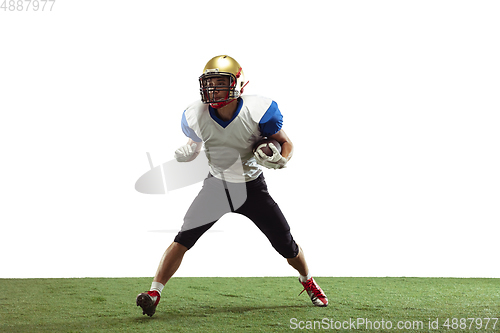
<point x="248" y="305"/>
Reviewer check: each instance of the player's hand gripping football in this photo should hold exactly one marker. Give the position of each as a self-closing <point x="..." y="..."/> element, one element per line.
<point x="186" y="153"/>
<point x="276" y="161"/>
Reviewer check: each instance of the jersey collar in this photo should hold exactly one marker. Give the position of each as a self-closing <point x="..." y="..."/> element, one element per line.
<point x="221" y="122"/>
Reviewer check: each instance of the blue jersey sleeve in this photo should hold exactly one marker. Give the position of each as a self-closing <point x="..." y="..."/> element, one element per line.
<point x="272" y="121"/>
<point x="188" y="131"/>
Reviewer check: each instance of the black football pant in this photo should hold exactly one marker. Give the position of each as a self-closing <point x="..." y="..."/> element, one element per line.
<point x="250" y="199"/>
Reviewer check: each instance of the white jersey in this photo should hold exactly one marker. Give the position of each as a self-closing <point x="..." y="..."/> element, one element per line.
<point x="229" y="144"/>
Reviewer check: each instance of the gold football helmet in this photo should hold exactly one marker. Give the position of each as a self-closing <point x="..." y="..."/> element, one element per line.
<point x="222" y="81"/>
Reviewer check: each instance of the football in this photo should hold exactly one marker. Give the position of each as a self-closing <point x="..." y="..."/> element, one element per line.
<point x="265" y="149"/>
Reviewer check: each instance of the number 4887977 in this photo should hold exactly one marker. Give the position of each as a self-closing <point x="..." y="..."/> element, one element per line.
<point x="27" y="5"/>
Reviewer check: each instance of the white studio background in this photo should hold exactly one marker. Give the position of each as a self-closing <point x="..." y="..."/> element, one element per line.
<point x="393" y="107"/>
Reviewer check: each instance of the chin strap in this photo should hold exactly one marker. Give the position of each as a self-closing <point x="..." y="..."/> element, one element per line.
<point x="221" y="104"/>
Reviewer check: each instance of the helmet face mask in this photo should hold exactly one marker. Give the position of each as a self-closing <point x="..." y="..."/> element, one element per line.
<point x="216" y="88"/>
<point x="222" y="81"/>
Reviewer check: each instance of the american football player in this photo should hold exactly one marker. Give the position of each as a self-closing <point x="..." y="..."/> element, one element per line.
<point x="228" y="125"/>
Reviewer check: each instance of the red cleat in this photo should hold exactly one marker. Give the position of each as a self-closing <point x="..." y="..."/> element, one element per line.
<point x="317" y="295"/>
<point x="148" y="302"/>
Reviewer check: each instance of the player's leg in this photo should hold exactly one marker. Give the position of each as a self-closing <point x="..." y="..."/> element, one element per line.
<point x="172" y="258"/>
<point x="314" y="291"/>
<point x="211" y="203"/>
<point x="267" y="216"/>
<point x="299" y="263"/>
<point x="170" y="262"/>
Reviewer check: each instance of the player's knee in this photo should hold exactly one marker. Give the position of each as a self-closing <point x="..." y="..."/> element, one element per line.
<point x="288" y="249"/>
<point x="179" y="247"/>
<point x="185" y="240"/>
<point x="189" y="237"/>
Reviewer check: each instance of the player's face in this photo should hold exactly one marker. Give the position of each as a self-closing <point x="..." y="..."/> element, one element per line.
<point x="217" y="87"/>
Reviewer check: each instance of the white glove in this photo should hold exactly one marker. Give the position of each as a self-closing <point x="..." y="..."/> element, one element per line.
<point x="186" y="153"/>
<point x="271" y="162"/>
